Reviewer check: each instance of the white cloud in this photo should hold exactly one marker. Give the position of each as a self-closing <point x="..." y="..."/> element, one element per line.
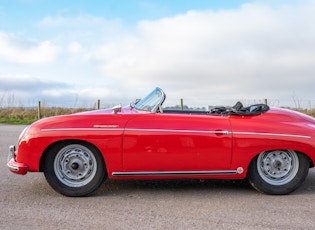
<point x="256" y="51"/>
<point x="27" y="52"/>
<point x="206" y="57"/>
<point x="74" y="47"/>
<point x="25" y="82"/>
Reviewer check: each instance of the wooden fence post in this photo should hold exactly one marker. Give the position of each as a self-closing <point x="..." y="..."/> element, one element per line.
<point x="98" y="104"/>
<point x="39" y="115"/>
<point x="266" y="101"/>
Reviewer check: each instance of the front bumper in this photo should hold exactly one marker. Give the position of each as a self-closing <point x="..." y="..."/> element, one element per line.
<point x="15" y="167"/>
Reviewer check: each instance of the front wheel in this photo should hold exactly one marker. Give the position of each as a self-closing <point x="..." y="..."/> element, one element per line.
<point x="278" y="172"/>
<point x="74" y="169"/>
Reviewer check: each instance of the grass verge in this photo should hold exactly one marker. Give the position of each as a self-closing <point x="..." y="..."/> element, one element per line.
<point x="27" y="116"/>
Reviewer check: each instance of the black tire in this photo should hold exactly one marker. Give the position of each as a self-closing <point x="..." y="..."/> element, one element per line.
<point x="278" y="172"/>
<point x="74" y="169"/>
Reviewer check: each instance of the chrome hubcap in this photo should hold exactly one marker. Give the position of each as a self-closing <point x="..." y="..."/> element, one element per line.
<point x="278" y="167"/>
<point x="75" y="165"/>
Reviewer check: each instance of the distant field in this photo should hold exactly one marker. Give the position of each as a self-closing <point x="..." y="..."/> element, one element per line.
<point x="28" y="116"/>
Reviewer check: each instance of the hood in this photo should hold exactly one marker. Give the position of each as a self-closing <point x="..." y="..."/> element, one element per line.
<point x="88" y="119"/>
<point x="125" y="110"/>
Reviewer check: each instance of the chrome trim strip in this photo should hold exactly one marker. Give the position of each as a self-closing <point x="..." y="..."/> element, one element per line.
<point x="176" y="173"/>
<point x="105" y="126"/>
<point x="137" y="130"/>
<point x="225" y="132"/>
<point x="271" y="134"/>
<point x="83" y="129"/>
<point x="178" y="131"/>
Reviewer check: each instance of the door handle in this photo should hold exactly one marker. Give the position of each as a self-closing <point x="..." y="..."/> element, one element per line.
<point x="221" y="132"/>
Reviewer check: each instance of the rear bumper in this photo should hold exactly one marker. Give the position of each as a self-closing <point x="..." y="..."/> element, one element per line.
<point x="15" y="167"/>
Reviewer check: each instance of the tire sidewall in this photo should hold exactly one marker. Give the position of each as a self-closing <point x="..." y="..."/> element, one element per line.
<point x="261" y="185"/>
<point x="60" y="187"/>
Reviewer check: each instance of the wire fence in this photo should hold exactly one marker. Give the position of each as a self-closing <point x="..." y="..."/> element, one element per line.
<point x="10" y="101"/>
<point x="22" y="114"/>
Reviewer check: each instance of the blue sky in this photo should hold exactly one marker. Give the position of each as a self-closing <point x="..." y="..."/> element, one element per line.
<point x="128" y="10"/>
<point x="71" y="53"/>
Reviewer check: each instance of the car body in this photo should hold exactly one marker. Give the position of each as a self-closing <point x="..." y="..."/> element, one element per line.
<point x="272" y="147"/>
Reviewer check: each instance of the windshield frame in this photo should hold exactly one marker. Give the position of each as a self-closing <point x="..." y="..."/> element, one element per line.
<point x="152" y="102"/>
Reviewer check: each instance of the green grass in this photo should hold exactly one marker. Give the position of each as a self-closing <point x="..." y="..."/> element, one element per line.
<point x="27" y="116"/>
<point x="17" y="121"/>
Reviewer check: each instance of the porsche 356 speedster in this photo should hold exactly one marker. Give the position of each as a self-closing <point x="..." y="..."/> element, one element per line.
<point x="271" y="147"/>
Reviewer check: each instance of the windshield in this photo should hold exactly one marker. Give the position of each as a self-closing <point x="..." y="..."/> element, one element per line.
<point x="152" y="101"/>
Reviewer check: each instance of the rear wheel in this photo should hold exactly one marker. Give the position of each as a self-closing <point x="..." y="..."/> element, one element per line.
<point x="74" y="169"/>
<point x="278" y="172"/>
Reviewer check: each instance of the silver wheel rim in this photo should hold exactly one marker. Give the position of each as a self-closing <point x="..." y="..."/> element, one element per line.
<point x="278" y="167"/>
<point x="75" y="165"/>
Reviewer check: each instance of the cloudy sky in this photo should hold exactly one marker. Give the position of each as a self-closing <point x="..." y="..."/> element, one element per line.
<point x="71" y="53"/>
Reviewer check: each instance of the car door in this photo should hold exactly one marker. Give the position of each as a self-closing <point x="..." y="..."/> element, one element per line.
<point x="177" y="142"/>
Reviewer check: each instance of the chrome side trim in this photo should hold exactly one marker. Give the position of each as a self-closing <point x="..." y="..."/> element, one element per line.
<point x="179" y="131"/>
<point x="83" y="129"/>
<point x="177" y="173"/>
<point x="271" y="134"/>
<point x="225" y="132"/>
<point x="111" y="128"/>
<point x="105" y="126"/>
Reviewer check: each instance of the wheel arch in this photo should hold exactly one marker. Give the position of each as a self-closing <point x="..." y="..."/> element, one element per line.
<point x="65" y="142"/>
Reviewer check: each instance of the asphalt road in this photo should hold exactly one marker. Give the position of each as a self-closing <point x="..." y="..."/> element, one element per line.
<point x="28" y="202"/>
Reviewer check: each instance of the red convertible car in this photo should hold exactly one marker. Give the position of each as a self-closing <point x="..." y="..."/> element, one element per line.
<point x="273" y="148"/>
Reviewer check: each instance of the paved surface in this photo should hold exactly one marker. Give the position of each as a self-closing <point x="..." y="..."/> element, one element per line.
<point x="27" y="202"/>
